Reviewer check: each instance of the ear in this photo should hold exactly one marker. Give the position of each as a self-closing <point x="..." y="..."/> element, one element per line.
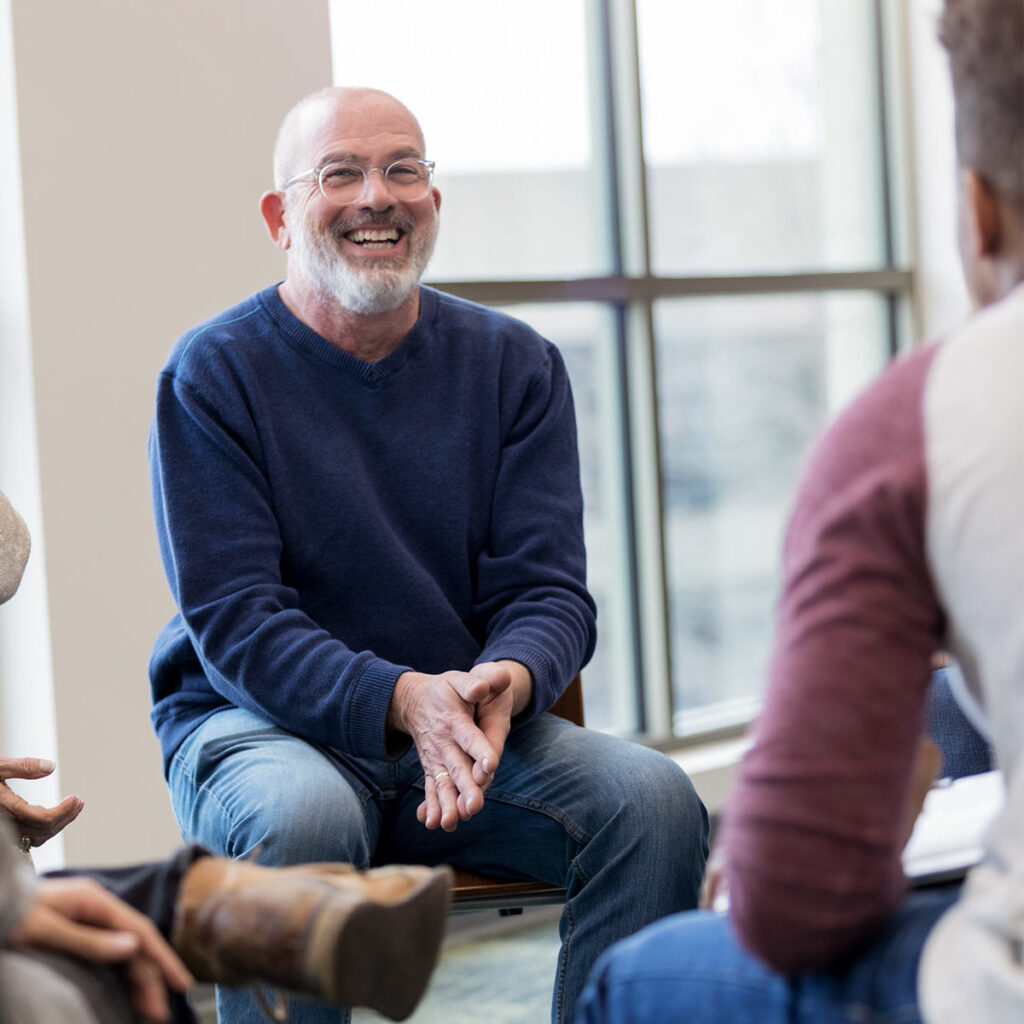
<point x="436" y="196"/>
<point x="982" y="210"/>
<point x="273" y="213"/>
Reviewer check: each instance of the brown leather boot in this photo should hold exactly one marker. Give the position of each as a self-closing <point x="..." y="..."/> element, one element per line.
<point x="341" y="936"/>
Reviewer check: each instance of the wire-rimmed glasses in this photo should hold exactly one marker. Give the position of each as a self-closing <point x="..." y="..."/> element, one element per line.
<point x="342" y="182"/>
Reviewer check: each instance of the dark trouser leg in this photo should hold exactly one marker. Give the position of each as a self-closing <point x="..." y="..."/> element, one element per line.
<point x="152" y="889"/>
<point x="964" y="750"/>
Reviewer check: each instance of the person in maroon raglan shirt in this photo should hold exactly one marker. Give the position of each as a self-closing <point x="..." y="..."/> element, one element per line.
<point x="907" y="538"/>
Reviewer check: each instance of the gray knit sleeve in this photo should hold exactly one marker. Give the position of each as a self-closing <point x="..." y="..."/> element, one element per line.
<point x="17" y="883"/>
<point x="14" y="548"/>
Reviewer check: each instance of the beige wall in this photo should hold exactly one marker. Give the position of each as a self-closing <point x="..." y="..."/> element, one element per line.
<point x="145" y="133"/>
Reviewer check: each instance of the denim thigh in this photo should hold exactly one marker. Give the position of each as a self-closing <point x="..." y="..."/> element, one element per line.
<point x="618" y="825"/>
<point x="240" y="784"/>
<point x="690" y="968"/>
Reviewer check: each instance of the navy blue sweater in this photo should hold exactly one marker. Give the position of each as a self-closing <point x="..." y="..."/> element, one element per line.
<point x="327" y="523"/>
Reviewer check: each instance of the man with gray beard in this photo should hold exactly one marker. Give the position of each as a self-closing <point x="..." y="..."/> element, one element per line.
<point x="368" y="505"/>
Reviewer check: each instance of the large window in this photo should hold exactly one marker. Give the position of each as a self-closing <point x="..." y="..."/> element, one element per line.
<point x="694" y="202"/>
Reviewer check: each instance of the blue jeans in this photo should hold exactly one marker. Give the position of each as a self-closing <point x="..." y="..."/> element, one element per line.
<point x="690" y="968"/>
<point x="964" y="750"/>
<point x="618" y="825"/>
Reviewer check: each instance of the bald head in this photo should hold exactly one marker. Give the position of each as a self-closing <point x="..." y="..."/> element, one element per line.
<point x="331" y="110"/>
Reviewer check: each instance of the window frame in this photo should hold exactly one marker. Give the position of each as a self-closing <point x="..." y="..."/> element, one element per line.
<point x="630" y="290"/>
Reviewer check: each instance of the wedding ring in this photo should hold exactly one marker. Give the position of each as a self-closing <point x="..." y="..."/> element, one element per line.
<point x="438" y="776"/>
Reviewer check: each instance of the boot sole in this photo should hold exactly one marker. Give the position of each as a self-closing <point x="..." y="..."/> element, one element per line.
<point x="382" y="955"/>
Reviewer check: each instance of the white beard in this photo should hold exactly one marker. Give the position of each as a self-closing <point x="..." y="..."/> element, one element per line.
<point x="376" y="288"/>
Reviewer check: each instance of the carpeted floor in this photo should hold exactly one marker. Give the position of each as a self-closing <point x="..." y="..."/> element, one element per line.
<point x="494" y="970"/>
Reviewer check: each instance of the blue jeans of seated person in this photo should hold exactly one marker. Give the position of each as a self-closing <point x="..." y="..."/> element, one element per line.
<point x="689" y="968"/>
<point x="964" y="750"/>
<point x="618" y="825"/>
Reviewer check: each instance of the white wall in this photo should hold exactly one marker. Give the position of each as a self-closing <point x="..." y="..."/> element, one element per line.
<point x="940" y="296"/>
<point x="27" y="721"/>
<point x="145" y="136"/>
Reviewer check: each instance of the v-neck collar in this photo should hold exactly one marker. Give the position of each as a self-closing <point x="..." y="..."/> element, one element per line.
<point x="371" y="374"/>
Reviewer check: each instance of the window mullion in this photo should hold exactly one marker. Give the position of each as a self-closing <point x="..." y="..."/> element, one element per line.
<point x="638" y="366"/>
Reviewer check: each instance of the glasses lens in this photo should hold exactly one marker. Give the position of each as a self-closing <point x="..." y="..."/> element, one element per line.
<point x="342" y="183"/>
<point x="405" y="179"/>
<point x="408" y="179"/>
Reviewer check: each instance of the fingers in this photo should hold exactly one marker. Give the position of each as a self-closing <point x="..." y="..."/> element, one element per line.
<point x="45" y="927"/>
<point x="50" y="929"/>
<point x="481" y="776"/>
<point x="711" y="888"/>
<point x="144" y="977"/>
<point x="149" y="993"/>
<point x="33" y="821"/>
<point x="715" y="886"/>
<point x="928" y="762"/>
<point x="442" y="805"/>
<point x="25" y="767"/>
<point x="431" y="806"/>
<point x="57" y="818"/>
<point x="480" y="744"/>
<point x="451" y="797"/>
<point x="458" y="756"/>
<point x="113" y="913"/>
<point x="471" y="687"/>
<point x="498" y="677"/>
<point x="475" y="743"/>
<point x="36" y="822"/>
<point x="78" y="916"/>
<point x="925" y="769"/>
<point x="494" y="720"/>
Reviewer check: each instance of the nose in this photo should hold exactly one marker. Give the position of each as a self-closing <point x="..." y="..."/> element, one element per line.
<point x="375" y="192"/>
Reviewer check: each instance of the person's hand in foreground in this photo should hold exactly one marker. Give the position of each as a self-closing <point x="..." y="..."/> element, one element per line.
<point x="32" y="821"/>
<point x="78" y="916"/>
<point x="714" y="890"/>
<point x="927" y="762"/>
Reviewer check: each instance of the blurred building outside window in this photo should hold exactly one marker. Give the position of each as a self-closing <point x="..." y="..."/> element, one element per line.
<point x="695" y="203"/>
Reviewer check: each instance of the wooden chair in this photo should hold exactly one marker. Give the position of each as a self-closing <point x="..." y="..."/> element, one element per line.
<point x="477" y="892"/>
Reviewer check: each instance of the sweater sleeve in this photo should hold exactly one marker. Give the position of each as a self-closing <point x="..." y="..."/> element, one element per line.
<point x="17" y="883"/>
<point x="222" y="548"/>
<point x="812" y="833"/>
<point x="531" y="583"/>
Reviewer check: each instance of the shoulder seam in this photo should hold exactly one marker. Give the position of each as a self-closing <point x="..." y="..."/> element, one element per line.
<point x="220" y="323"/>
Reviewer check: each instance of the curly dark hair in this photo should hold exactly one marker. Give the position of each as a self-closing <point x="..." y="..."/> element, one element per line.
<point x="985" y="42"/>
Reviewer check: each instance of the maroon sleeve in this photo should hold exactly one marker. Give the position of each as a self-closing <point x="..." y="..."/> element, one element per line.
<point x="812" y="832"/>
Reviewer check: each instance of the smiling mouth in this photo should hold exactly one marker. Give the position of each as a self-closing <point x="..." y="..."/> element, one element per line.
<point x="375" y="238"/>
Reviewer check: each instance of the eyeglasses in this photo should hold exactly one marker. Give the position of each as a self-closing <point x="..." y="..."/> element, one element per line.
<point x="344" y="183"/>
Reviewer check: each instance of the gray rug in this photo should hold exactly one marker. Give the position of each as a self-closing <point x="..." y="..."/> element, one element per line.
<point x="493" y="969"/>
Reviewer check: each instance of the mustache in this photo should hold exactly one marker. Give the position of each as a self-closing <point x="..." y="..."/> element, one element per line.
<point x="367" y="219"/>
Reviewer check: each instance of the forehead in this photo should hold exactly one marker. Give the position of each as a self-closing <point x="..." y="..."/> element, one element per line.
<point x="367" y="126"/>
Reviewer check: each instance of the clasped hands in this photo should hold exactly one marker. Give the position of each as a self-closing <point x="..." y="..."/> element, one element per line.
<point x="459" y="722"/>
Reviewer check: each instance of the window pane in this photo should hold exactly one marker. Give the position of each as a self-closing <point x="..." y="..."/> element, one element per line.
<point x="761" y="135"/>
<point x="502" y="93"/>
<point x="744" y="386"/>
<point x="584" y="334"/>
